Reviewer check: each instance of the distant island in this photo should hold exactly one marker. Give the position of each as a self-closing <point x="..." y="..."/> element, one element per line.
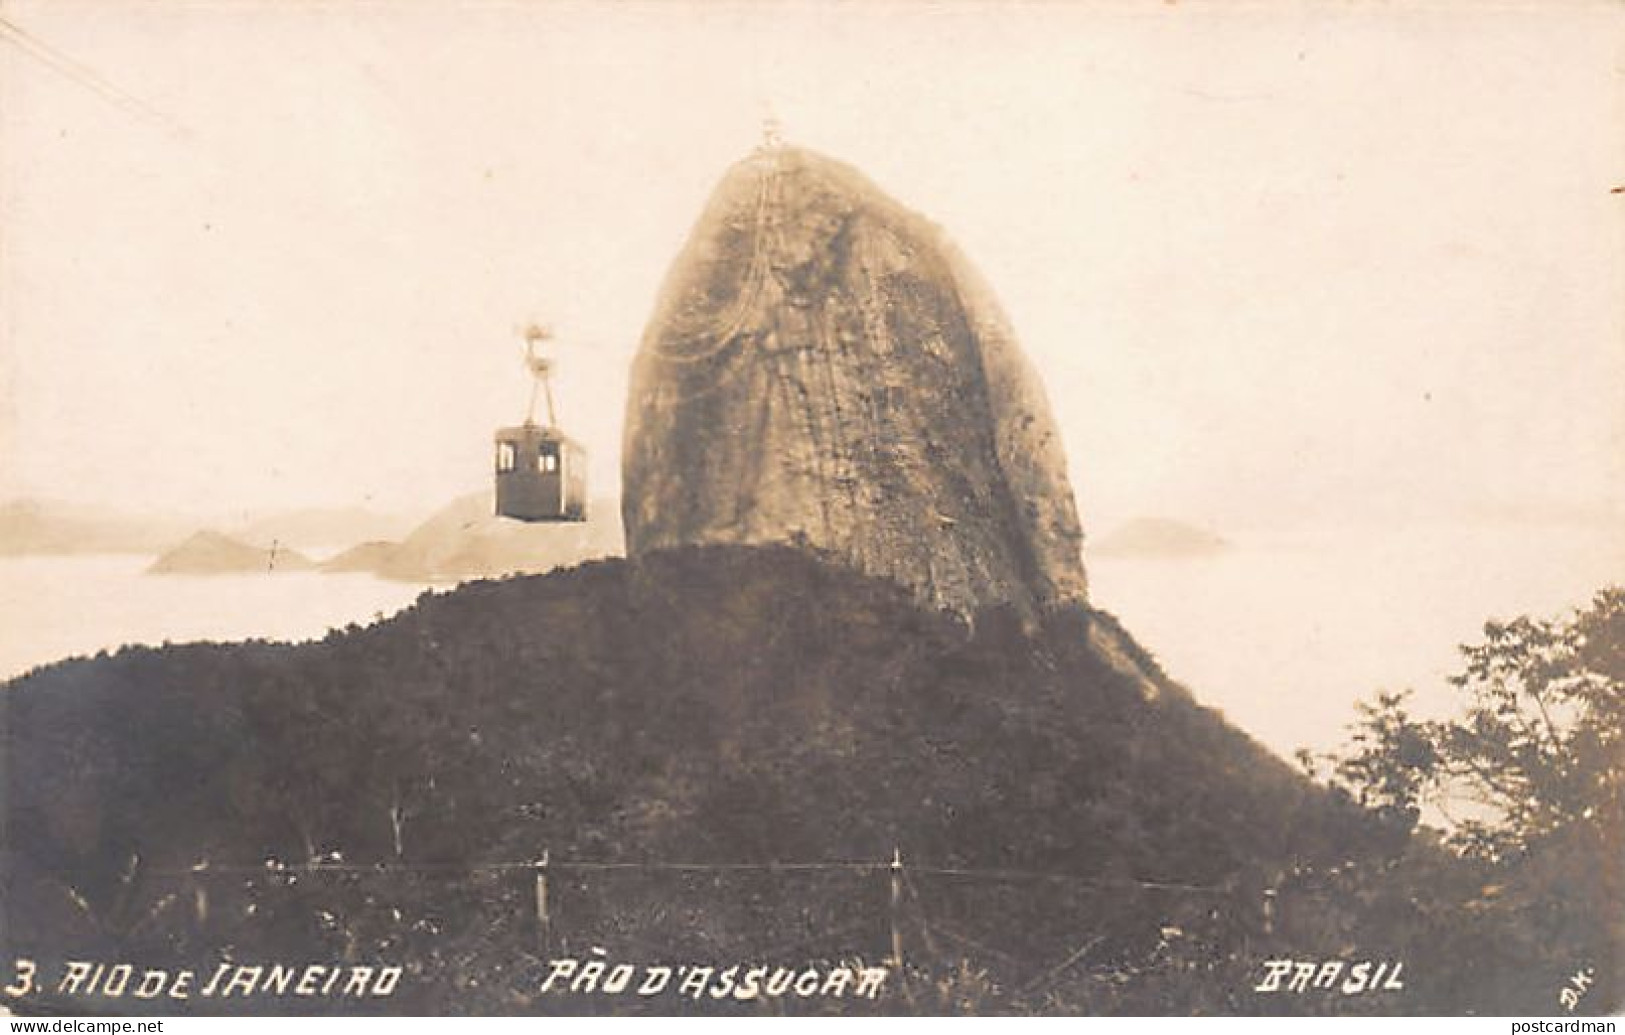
<point x="315" y="527"/>
<point x="464" y="539"/>
<point x="210" y="553"/>
<point x="1159" y="537"/>
<point x="366" y="558"/>
<point x="49" y="527"/>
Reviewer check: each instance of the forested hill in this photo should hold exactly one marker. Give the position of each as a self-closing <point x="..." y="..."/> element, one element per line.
<point x="721" y="705"/>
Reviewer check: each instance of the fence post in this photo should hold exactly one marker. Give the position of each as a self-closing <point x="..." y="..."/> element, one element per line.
<point x="896" y="868"/>
<point x="544" y="922"/>
<point x="200" y="896"/>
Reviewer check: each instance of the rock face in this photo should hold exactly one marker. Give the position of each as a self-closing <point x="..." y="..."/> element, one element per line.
<point x="823" y="367"/>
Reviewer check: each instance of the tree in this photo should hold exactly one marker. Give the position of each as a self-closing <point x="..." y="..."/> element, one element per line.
<point x="1537" y="754"/>
<point x="1388" y="765"/>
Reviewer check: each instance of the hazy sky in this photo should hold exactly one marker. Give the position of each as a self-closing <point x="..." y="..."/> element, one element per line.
<point x="1275" y="262"/>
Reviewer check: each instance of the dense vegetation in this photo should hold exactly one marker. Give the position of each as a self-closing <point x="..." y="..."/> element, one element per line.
<point x="361" y="799"/>
<point x="1526" y="782"/>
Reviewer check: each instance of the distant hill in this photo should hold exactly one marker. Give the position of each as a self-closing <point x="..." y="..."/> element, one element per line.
<point x="371" y="557"/>
<point x="466" y="539"/>
<point x="1082" y="844"/>
<point x="210" y="553"/>
<point x="35" y="526"/>
<point x="1159" y="537"/>
<point x="312" y="527"/>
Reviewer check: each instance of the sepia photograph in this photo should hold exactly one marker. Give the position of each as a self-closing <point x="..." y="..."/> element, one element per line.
<point x="812" y="508"/>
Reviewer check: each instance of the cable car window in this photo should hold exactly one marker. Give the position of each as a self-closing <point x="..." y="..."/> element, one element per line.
<point x="507" y="456"/>
<point x="547" y="460"/>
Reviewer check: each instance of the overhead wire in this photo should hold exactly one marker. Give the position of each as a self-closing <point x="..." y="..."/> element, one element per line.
<point x="84" y="76"/>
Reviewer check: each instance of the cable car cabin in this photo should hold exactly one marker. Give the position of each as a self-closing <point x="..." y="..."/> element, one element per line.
<point x="541" y="475"/>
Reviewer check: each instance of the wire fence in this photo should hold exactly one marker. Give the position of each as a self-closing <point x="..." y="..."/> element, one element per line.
<point x="1028" y="929"/>
<point x="889" y="909"/>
